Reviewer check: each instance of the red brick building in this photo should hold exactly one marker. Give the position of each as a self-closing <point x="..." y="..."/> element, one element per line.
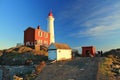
<point x="36" y="37"/>
<point x="88" y="51"/>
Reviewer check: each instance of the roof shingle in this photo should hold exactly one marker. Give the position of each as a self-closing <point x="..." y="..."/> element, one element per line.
<point x="61" y="46"/>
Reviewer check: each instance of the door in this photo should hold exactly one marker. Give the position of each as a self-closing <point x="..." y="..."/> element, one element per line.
<point x="87" y="53"/>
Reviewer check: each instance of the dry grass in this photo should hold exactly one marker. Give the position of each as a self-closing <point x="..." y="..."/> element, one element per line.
<point x="25" y="49"/>
<point x="104" y="71"/>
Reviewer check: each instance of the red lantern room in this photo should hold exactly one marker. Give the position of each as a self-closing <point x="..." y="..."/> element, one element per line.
<point x="88" y="51"/>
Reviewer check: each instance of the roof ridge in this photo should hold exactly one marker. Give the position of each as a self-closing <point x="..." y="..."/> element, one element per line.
<point x="61" y="46"/>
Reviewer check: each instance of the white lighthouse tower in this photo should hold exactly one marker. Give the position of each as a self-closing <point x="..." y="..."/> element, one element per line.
<point x="51" y="27"/>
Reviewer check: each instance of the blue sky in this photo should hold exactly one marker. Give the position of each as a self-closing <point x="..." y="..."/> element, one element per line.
<point x="77" y="22"/>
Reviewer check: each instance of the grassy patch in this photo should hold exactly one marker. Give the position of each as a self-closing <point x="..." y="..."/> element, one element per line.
<point x="104" y="71"/>
<point x="105" y="66"/>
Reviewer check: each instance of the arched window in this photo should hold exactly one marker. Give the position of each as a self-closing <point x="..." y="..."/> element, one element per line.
<point x="46" y="35"/>
<point x="40" y="33"/>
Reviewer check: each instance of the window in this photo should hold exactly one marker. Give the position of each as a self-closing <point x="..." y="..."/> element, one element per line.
<point x="39" y="42"/>
<point x="46" y="35"/>
<point x="40" y="33"/>
<point x="59" y="51"/>
<point x="27" y="43"/>
<point x="46" y="42"/>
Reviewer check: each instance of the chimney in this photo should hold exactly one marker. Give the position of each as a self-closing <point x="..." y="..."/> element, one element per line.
<point x="38" y="27"/>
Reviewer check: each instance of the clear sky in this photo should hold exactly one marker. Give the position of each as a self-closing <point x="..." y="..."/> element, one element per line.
<point x="77" y="22"/>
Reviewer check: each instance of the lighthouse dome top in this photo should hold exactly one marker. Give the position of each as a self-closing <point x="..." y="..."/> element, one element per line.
<point x="50" y="13"/>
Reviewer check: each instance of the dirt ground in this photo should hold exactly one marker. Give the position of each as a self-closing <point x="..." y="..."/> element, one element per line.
<point x="84" y="68"/>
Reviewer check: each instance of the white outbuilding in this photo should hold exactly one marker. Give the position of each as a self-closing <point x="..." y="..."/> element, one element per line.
<point x="57" y="51"/>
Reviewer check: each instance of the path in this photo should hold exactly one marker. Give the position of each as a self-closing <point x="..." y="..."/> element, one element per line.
<point x="84" y="68"/>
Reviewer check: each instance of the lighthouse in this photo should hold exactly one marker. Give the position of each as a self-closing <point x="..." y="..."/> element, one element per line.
<point x="51" y="27"/>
